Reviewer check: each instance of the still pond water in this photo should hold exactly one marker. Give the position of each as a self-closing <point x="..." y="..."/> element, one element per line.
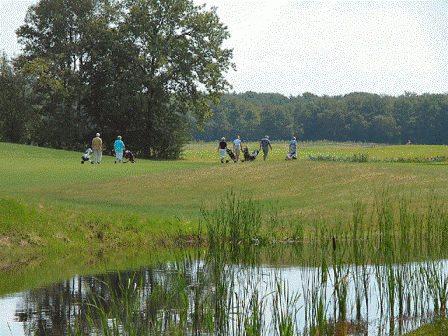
<point x="300" y="290"/>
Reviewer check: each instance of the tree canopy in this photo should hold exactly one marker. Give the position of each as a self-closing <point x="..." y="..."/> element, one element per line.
<point x="144" y="69"/>
<point x="357" y="116"/>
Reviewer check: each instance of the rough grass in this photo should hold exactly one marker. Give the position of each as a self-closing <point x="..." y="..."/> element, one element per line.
<point x="164" y="198"/>
<point x="438" y="328"/>
<point x="179" y="188"/>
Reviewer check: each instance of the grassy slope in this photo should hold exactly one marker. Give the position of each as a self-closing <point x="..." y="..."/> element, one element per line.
<point x="155" y="202"/>
<point x="179" y="188"/>
<point x="438" y="328"/>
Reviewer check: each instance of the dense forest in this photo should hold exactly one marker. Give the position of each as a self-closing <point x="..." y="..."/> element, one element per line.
<point x="357" y="116"/>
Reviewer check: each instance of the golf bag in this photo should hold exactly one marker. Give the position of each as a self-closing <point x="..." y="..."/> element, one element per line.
<point x="248" y="156"/>
<point x="231" y="154"/>
<point x="86" y="156"/>
<point x="129" y="156"/>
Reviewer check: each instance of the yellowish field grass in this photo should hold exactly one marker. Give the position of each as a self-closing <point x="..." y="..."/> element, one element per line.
<point x="299" y="188"/>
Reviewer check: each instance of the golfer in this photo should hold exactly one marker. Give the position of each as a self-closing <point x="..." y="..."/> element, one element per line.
<point x="222" y="149"/>
<point x="119" y="147"/>
<point x="292" y="153"/>
<point x="265" y="144"/>
<point x="237" y="147"/>
<point x="97" y="146"/>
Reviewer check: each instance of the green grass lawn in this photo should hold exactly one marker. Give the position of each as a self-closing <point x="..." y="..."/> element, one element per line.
<point x="179" y="188"/>
<point x="161" y="192"/>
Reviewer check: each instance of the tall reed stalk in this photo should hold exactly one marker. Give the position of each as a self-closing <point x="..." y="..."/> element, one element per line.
<point x="285" y="309"/>
<point x="436" y="284"/>
<point x="236" y="219"/>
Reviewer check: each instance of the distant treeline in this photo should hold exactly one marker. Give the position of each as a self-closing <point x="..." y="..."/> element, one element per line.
<point x="357" y="116"/>
<point x="29" y="115"/>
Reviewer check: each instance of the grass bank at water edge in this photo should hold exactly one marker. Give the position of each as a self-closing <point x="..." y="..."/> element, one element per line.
<point x="37" y="226"/>
<point x="50" y="200"/>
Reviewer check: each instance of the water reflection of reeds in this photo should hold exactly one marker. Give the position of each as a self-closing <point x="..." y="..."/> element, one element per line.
<point x="216" y="293"/>
<point x="383" y="273"/>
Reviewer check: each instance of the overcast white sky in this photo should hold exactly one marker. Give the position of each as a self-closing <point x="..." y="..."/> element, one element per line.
<point x="323" y="47"/>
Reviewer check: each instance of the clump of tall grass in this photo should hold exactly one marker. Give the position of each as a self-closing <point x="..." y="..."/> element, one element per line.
<point x="236" y="219"/>
<point x="285" y="310"/>
<point x="360" y="157"/>
<point x="239" y="219"/>
<point x="411" y="160"/>
<point x="436" y="284"/>
<point x="114" y="308"/>
<point x="363" y="157"/>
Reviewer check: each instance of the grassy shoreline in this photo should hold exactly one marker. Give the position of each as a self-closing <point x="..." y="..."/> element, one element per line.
<point x="53" y="209"/>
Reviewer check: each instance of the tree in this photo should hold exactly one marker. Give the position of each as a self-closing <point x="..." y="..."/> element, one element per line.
<point x="275" y="122"/>
<point x="431" y="112"/>
<point x="14" y="111"/>
<point x="179" y="61"/>
<point x="54" y="30"/>
<point x="145" y="69"/>
<point x="52" y="59"/>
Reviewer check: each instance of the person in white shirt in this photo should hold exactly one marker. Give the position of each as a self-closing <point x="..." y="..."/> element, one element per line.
<point x="97" y="146"/>
<point x="237" y="147"/>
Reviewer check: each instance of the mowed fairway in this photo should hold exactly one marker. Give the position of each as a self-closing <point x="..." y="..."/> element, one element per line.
<point x="311" y="190"/>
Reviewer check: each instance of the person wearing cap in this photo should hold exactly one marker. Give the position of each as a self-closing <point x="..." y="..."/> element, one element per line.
<point x="265" y="144"/>
<point x="97" y="147"/>
<point x="292" y="154"/>
<point x="237" y="147"/>
<point x="119" y="147"/>
<point x="222" y="149"/>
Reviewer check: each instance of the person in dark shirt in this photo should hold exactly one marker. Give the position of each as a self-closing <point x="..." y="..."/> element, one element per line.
<point x="265" y="144"/>
<point x="222" y="149"/>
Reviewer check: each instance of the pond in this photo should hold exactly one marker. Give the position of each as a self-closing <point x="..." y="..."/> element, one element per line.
<point x="332" y="287"/>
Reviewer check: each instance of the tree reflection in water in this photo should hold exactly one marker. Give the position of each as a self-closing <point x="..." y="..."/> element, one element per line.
<point x="234" y="292"/>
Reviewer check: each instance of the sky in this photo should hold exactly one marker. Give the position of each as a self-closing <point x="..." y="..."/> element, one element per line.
<point x="323" y="47"/>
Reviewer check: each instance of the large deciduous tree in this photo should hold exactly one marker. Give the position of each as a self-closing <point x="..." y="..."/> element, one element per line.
<point x="179" y="61"/>
<point x="52" y="58"/>
<point x="144" y="69"/>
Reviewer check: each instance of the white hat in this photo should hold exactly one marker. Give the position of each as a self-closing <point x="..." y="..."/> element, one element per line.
<point x="97" y="134"/>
